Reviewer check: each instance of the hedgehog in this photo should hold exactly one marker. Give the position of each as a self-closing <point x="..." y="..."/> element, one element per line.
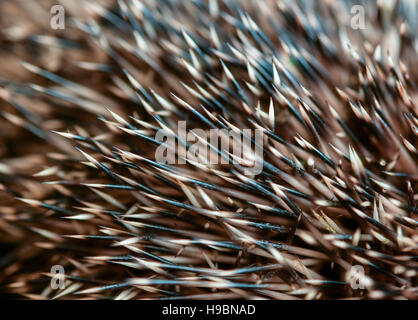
<point x="87" y="211"/>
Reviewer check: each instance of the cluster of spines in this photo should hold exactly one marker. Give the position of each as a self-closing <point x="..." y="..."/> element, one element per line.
<point x="339" y="162"/>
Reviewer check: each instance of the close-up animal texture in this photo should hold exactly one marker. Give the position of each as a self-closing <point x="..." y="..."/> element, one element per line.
<point x="88" y="212"/>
